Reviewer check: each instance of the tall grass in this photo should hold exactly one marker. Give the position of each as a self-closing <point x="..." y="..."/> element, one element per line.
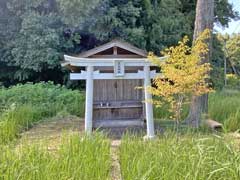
<point x="85" y="159"/>
<point x="13" y="121"/>
<point x="224" y="107"/>
<point x="190" y="157"/>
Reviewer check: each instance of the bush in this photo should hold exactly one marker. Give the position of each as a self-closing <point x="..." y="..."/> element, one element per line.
<point x="23" y="105"/>
<point x="85" y="159"/>
<point x="233" y="81"/>
<point x="190" y="157"/>
<point x="45" y="95"/>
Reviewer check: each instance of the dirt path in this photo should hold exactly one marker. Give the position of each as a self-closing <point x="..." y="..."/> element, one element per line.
<point x="115" y="167"/>
<point x="50" y="131"/>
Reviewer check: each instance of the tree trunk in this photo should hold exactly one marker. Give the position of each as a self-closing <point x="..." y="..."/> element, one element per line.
<point x="204" y="20"/>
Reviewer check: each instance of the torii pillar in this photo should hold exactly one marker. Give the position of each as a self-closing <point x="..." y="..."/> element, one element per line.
<point x="89" y="100"/>
<point x="148" y="105"/>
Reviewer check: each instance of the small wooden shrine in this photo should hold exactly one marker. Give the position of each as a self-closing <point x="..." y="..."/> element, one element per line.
<point x="112" y="73"/>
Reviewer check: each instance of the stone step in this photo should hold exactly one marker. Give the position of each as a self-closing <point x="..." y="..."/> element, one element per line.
<point x="118" y="123"/>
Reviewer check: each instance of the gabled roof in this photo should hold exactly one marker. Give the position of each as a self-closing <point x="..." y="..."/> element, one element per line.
<point x="114" y="43"/>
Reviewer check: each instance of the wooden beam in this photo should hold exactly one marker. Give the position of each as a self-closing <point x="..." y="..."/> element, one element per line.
<point x="83" y="62"/>
<point x="117" y="56"/>
<point x="98" y="75"/>
<point x="115" y="50"/>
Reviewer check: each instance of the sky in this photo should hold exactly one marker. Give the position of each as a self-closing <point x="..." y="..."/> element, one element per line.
<point x="234" y="26"/>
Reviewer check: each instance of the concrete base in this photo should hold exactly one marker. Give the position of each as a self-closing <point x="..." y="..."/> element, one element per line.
<point x="146" y="138"/>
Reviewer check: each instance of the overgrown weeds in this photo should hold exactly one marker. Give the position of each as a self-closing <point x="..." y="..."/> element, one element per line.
<point x="190" y="157"/>
<point x="77" y="158"/>
<point x="224" y="107"/>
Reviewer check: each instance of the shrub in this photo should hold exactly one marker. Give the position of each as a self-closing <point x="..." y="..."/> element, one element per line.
<point x="233" y="81"/>
<point x="45" y="95"/>
<point x="23" y="105"/>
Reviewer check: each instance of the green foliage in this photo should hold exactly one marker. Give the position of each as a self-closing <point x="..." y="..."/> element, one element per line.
<point x="45" y="95"/>
<point x="217" y="62"/>
<point x="148" y="24"/>
<point x="76" y="12"/>
<point x="224" y="107"/>
<point x="233" y="51"/>
<point x="228" y="47"/>
<point x="77" y="158"/>
<point x="34" y="34"/>
<point x="233" y="81"/>
<point x="23" y="105"/>
<point x="224" y="12"/>
<point x="190" y="157"/>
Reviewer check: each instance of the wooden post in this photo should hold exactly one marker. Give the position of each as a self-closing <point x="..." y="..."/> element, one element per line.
<point x="89" y="100"/>
<point x="148" y="105"/>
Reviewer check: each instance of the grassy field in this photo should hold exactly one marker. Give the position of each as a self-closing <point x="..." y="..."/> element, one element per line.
<point x="76" y="158"/>
<point x="224" y="107"/>
<point x="193" y="155"/>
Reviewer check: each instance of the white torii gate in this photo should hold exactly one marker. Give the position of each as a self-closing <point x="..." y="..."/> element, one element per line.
<point x="119" y="65"/>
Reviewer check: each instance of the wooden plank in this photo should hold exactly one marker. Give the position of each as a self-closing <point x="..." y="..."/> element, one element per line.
<point x="114" y="43"/>
<point x="117" y="113"/>
<point x="115" y="50"/>
<point x="117" y="56"/>
<point x="118" y="106"/>
<point x="124" y="100"/>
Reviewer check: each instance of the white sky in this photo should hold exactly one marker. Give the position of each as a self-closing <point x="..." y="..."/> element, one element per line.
<point x="234" y="26"/>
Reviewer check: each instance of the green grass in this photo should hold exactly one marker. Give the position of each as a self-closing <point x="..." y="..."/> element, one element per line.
<point x="14" y="121"/>
<point x="190" y="157"/>
<point x="224" y="107"/>
<point x="77" y="158"/>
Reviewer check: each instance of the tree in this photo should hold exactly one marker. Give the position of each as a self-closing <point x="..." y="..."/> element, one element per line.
<point x="151" y="25"/>
<point x="75" y="13"/>
<point x="217" y="62"/>
<point x="184" y="74"/>
<point x="204" y="20"/>
<point x="233" y="52"/>
<point x="70" y="27"/>
<point x="35" y="39"/>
